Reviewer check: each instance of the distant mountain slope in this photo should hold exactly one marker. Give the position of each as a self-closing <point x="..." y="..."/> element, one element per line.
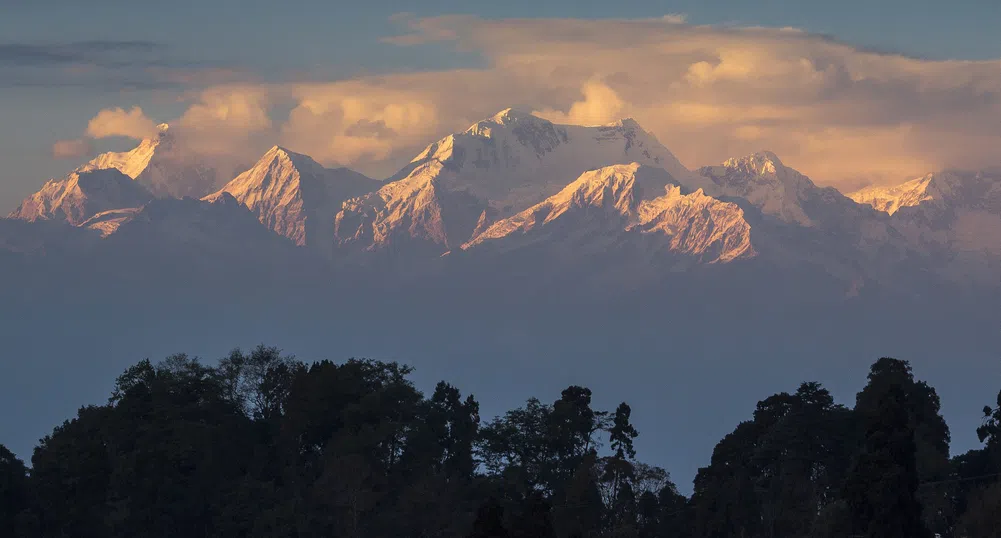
<point x="953" y="216"/>
<point x="940" y="191"/>
<point x="218" y="227"/>
<point x="782" y="192"/>
<point x="295" y="196"/>
<point x="82" y="195"/>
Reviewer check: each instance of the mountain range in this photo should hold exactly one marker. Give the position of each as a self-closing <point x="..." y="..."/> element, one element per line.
<point x="515" y="183"/>
<point x="519" y="254"/>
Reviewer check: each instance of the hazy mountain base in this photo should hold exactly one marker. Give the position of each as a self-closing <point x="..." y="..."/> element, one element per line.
<point x="693" y="349"/>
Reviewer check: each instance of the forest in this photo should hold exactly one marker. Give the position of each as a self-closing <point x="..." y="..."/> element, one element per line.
<point x="265" y="445"/>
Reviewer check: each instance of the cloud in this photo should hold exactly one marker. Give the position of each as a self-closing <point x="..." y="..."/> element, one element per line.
<point x="118" y="122"/>
<point x="361" y="121"/>
<point x="600" y="105"/>
<point x="227" y="120"/>
<point x="72" y="149"/>
<point x="837" y="112"/>
<point x="105" y="53"/>
<point x="109" y="65"/>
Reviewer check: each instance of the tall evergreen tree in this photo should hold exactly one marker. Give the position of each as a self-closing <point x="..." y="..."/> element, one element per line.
<point x="883" y="484"/>
<point x="618" y="469"/>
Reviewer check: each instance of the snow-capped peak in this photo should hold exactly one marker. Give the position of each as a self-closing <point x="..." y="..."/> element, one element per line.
<point x="946" y="188"/>
<point x="765" y="182"/>
<point x="760" y="162"/>
<point x="498" y="167"/>
<point x="81" y="195"/>
<point x="163" y="164"/>
<point x="515" y="159"/>
<point x="953" y="211"/>
<point x="510" y="115"/>
<point x="284" y="157"/>
<point x="294" y="195"/>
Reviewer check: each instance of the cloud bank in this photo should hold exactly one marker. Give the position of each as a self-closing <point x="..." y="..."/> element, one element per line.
<point x="840" y="113"/>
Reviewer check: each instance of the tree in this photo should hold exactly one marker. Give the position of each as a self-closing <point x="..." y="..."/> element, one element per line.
<point x="259" y="382"/>
<point x="883" y="484"/>
<point x="801" y="457"/>
<point x="725" y="503"/>
<point x="775" y="473"/>
<point x="674" y="513"/>
<point x="448" y="431"/>
<point x="534" y="519"/>
<point x="618" y="471"/>
<point x="540" y="446"/>
<point x="489" y="522"/>
<point x="13" y="490"/>
<point x="435" y="497"/>
<point x="982" y="518"/>
<point x="70" y="476"/>
<point x="178" y="445"/>
<point x="990" y="431"/>
<point x="572" y="428"/>
<point x="978" y="488"/>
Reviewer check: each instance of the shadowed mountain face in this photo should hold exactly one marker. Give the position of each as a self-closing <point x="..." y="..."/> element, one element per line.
<point x="517" y="256"/>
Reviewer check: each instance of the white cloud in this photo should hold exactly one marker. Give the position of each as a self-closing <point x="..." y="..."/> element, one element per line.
<point x="118" y="122"/>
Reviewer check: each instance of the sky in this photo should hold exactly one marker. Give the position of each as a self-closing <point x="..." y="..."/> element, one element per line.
<point x="849" y="92"/>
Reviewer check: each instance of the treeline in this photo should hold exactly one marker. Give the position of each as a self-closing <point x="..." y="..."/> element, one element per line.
<point x="262" y="445"/>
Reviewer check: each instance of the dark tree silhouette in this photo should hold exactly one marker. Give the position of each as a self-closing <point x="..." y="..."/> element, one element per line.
<point x="13" y="491"/>
<point x="883" y="484"/>
<point x="263" y="445"/>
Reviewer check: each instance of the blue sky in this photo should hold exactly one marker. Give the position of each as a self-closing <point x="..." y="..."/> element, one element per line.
<point x="318" y="40"/>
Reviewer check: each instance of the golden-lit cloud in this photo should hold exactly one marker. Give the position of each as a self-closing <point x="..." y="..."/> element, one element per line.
<point x="227" y="120"/>
<point x="118" y="122"/>
<point x="229" y="107"/>
<point x="358" y="121"/>
<point x="600" y="105"/>
<point x="839" y="113"/>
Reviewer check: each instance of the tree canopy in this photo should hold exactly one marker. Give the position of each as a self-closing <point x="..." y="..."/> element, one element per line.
<point x="262" y="444"/>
